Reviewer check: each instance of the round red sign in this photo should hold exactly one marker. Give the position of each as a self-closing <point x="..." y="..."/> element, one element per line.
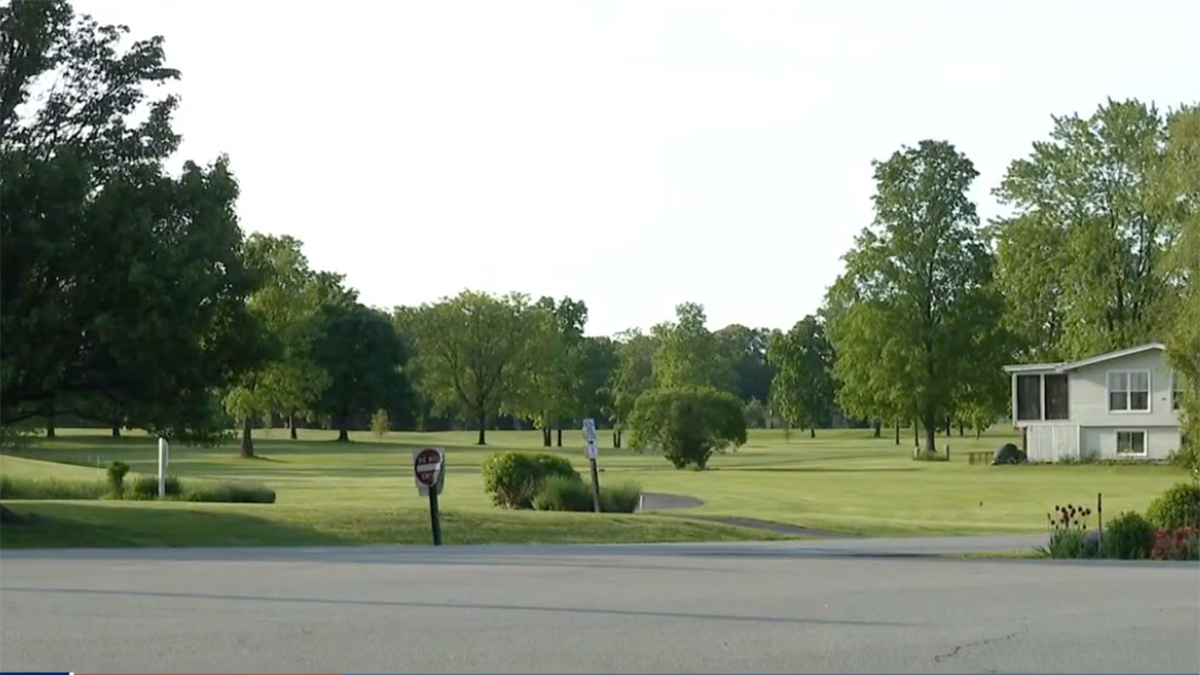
<point x="426" y="466"/>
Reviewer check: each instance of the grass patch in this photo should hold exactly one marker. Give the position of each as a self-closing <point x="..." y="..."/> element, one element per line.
<point x="126" y="524"/>
<point x="27" y="479"/>
<point x="999" y="555"/>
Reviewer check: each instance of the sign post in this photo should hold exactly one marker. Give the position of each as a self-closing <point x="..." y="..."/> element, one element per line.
<point x="593" y="453"/>
<point x="164" y="460"/>
<point x="429" y="466"/>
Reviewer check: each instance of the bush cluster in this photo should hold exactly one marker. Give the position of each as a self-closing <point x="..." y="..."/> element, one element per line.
<point x="1169" y="531"/>
<point x="520" y="480"/>
<point x="140" y="488"/>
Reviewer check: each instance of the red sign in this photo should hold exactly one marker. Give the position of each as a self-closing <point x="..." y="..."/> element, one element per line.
<point x="426" y="465"/>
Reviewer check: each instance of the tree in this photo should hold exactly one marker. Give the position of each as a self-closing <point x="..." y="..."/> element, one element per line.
<point x="1081" y="258"/>
<point x="380" y="425"/>
<point x="363" y="357"/>
<point x="287" y="303"/>
<point x="744" y="351"/>
<point x="803" y="388"/>
<point x="688" y="423"/>
<point x="474" y="350"/>
<point x="551" y="388"/>
<point x="917" y="288"/>
<point x="633" y="376"/>
<point x="688" y="352"/>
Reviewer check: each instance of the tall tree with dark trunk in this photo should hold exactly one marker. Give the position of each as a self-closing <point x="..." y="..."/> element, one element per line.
<point x="918" y="284"/>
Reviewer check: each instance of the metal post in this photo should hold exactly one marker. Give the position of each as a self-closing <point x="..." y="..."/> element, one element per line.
<point x="433" y="515"/>
<point x="595" y="485"/>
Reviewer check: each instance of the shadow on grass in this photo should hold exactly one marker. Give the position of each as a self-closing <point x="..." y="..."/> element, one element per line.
<point x="814" y="469"/>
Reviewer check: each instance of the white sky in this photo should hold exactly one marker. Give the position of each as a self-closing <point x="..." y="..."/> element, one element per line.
<point x="634" y="154"/>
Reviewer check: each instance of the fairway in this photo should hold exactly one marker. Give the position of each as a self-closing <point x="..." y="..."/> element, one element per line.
<point x="362" y="492"/>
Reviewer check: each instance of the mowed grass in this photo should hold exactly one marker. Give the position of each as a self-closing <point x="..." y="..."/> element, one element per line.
<point x="362" y="492"/>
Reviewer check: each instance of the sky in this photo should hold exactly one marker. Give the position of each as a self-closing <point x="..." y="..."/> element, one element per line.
<point x="632" y="153"/>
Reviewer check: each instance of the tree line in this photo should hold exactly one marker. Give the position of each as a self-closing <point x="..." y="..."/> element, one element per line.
<point x="131" y="296"/>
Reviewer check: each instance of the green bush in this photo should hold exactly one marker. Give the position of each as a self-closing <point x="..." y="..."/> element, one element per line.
<point x="116" y="478"/>
<point x="622" y="497"/>
<point x="1067" y="543"/>
<point x="561" y="493"/>
<point x="146" y="487"/>
<point x="513" y="479"/>
<point x="50" y="488"/>
<point x="230" y="492"/>
<point x="1178" y="507"/>
<point x="1129" y="536"/>
<point x="688" y="424"/>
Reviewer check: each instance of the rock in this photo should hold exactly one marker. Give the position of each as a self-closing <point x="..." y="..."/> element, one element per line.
<point x="1009" y="454"/>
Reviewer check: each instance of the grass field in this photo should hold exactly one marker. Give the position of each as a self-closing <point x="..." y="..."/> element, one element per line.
<point x="843" y="481"/>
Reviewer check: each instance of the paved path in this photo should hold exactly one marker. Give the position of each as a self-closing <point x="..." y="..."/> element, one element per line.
<point x="660" y="502"/>
<point x="809" y="606"/>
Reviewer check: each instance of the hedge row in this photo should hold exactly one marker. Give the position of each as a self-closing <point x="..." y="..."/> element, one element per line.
<point x="521" y="480"/>
<point x="140" y="488"/>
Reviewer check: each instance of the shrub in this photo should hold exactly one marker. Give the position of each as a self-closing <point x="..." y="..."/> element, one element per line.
<point x="1129" y="537"/>
<point x="1181" y="543"/>
<point x="622" y="497"/>
<point x="50" y="488"/>
<point x="688" y="424"/>
<point x="116" y="478"/>
<point x="514" y="478"/>
<point x="1068" y="532"/>
<point x="380" y="425"/>
<point x="230" y="492"/>
<point x="560" y="493"/>
<point x="1178" y="507"/>
<point x="146" y="487"/>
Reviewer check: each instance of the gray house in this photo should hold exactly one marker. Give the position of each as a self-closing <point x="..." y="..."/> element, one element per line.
<point x="1119" y="405"/>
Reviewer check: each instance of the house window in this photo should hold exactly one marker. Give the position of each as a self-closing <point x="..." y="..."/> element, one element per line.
<point x="1129" y="391"/>
<point x="1057" y="405"/>
<point x="1131" y="443"/>
<point x="1029" y="397"/>
<point x="1176" y="392"/>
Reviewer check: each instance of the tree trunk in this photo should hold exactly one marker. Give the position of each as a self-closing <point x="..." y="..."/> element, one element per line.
<point x="978" y="432"/>
<point x="618" y="436"/>
<point x="897" y="433"/>
<point x="878" y="430"/>
<point x="116" y="431"/>
<point x="812" y="432"/>
<point x="961" y="430"/>
<point x="482" y="430"/>
<point x="343" y="435"/>
<point x="949" y="427"/>
<point x="50" y="424"/>
<point x="916" y="433"/>
<point x="559" y="441"/>
<point x="930" y="436"/>
<point x="292" y="425"/>
<point x="247" y="439"/>
<point x="546" y="436"/>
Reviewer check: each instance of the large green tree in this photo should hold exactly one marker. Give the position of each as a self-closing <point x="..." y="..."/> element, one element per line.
<point x="918" y="286"/>
<point x="688" y="352"/>
<point x="634" y="375"/>
<point x="1081" y="257"/>
<point x="744" y="350"/>
<point x="551" y="391"/>
<point x="803" y="386"/>
<point x="474" y="352"/>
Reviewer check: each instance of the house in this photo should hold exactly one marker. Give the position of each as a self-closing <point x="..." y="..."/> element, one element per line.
<point x="1119" y="405"/>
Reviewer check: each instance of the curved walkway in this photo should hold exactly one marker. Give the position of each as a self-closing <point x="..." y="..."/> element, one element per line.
<point x="659" y="501"/>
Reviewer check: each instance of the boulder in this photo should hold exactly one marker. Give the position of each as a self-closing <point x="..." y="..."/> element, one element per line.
<point x="1008" y="454"/>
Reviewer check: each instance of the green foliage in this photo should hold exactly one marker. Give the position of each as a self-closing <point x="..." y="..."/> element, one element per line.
<point x="563" y="493"/>
<point x="146" y="487"/>
<point x="1068" y="532"/>
<point x="380" y="425"/>
<point x="1178" y="507"/>
<point x="116" y="478"/>
<point x="1129" y="536"/>
<point x="755" y="413"/>
<point x="688" y="353"/>
<point x="803" y="388"/>
<point x="229" y="492"/>
<point x="634" y="374"/>
<point x="620" y="497"/>
<point x="513" y="479"/>
<point x="687" y="424"/>
<point x="20" y="487"/>
<point x="744" y="353"/>
<point x="917" y="294"/>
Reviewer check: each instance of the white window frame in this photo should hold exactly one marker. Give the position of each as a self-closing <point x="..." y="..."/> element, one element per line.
<point x="1145" y="443"/>
<point x="1128" y="392"/>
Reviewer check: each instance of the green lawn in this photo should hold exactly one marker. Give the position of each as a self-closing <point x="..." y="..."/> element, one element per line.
<point x="363" y="492"/>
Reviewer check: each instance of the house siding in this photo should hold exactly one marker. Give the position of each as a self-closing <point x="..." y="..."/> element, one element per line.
<point x="1101" y="442"/>
<point x="1088" y="391"/>
<point x="1050" y="442"/>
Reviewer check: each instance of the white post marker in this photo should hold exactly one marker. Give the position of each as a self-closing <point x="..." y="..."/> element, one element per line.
<point x="164" y="460"/>
<point x="593" y="453"/>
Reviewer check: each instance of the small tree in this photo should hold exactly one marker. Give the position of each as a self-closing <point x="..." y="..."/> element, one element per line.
<point x="380" y="424"/>
<point x="687" y="423"/>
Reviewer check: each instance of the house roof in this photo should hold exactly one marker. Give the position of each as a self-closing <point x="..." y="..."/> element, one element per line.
<point x="1064" y="366"/>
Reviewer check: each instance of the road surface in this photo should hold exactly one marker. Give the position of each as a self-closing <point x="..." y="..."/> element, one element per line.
<point x="812" y="606"/>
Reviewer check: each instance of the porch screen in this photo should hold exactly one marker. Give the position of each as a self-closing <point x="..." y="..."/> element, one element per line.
<point x="1029" y="397"/>
<point x="1057" y="407"/>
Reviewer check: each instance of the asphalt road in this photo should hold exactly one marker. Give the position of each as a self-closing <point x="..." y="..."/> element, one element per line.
<point x="825" y="606"/>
